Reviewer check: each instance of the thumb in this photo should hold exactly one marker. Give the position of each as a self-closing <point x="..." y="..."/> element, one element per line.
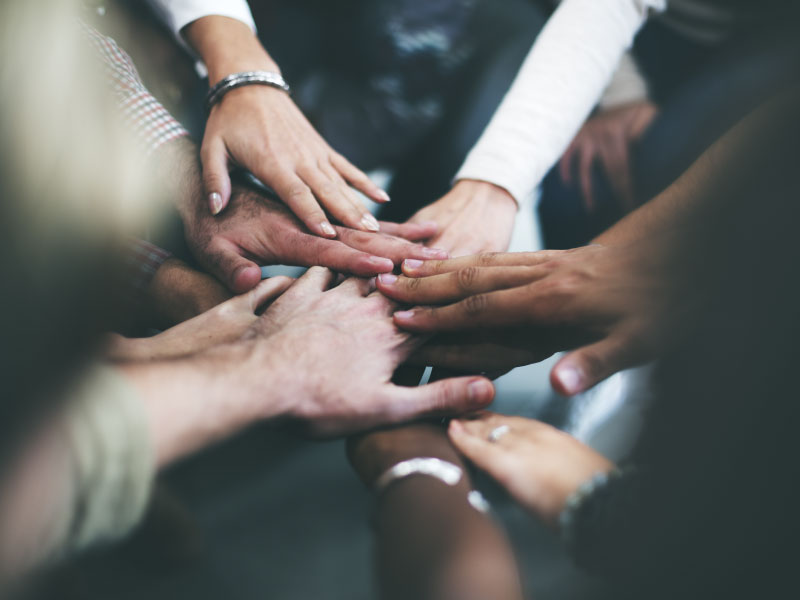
<point x="216" y="179"/>
<point x="445" y="397"/>
<point x="268" y="290"/>
<point x="234" y="270"/>
<point x="586" y="367"/>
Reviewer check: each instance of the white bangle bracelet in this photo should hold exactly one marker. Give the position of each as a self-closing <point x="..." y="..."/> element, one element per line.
<point x="444" y="471"/>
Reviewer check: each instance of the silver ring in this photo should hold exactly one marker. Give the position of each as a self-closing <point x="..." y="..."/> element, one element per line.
<point x="498" y="432"/>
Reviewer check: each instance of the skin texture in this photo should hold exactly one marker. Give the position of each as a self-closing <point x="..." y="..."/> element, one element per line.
<point x="177" y="293"/>
<point x="221" y="324"/>
<point x="473" y="217"/>
<point x="321" y="357"/>
<point x="608" y="138"/>
<point x="430" y="543"/>
<point x="262" y="129"/>
<point x="255" y="230"/>
<point x="609" y="302"/>
<point x="539" y="465"/>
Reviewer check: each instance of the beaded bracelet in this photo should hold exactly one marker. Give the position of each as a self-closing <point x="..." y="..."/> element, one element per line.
<point x="236" y="80"/>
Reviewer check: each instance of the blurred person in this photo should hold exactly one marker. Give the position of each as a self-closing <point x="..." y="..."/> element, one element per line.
<point x="692" y="72"/>
<point x="82" y="439"/>
<point x="706" y="505"/>
<point x="621" y="301"/>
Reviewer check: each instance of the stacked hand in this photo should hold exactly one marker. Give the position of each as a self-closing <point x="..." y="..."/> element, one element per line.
<point x="498" y="311"/>
<point x="539" y="465"/>
<point x="258" y="231"/>
<point x="262" y="130"/>
<point x="473" y="217"/>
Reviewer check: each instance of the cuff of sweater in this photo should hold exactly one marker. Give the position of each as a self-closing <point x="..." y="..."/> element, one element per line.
<point x="497" y="173"/>
<point x="113" y="459"/>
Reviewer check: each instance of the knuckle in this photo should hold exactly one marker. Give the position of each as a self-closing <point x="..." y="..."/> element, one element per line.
<point x="475" y="305"/>
<point x="413" y="283"/>
<point x="297" y="191"/>
<point x="487" y="259"/>
<point x="466" y="277"/>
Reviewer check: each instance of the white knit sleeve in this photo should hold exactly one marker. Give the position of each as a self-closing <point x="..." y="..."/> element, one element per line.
<point x="561" y="80"/>
<point x="177" y="14"/>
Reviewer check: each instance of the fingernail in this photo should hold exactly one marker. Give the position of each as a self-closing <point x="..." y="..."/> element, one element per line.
<point x="412" y="263"/>
<point x="479" y="390"/>
<point x="215" y="201"/>
<point x="327" y="229"/>
<point x="384" y="264"/>
<point x="383" y="195"/>
<point x="404" y="315"/>
<point x="387" y="278"/>
<point x="570" y="379"/>
<point x="370" y="222"/>
<point x="435" y="253"/>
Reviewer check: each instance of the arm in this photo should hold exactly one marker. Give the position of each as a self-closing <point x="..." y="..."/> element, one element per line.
<point x="261" y="129"/>
<point x="559" y="83"/>
<point x="431" y="543"/>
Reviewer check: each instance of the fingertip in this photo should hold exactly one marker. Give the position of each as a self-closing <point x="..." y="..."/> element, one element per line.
<point x="380" y="195"/>
<point x="245" y="278"/>
<point x="380" y="265"/>
<point x="387" y="279"/>
<point x="481" y="392"/>
<point x="215" y="203"/>
<point x="369" y="223"/>
<point x="567" y="379"/>
<point x="325" y="229"/>
<point x="411" y="266"/>
<point x="404" y="316"/>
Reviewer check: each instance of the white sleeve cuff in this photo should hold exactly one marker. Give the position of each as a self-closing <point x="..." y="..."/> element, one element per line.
<point x="627" y="85"/>
<point x="177" y="14"/>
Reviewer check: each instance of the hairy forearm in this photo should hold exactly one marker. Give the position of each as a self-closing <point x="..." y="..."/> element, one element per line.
<point x="194" y="402"/>
<point x="227" y="46"/>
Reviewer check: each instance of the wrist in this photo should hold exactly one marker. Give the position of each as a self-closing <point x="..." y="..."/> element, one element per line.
<point x="227" y="46"/>
<point x="373" y="453"/>
<point x="484" y="191"/>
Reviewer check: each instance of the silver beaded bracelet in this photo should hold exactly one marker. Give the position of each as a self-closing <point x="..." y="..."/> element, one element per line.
<point x="236" y="80"/>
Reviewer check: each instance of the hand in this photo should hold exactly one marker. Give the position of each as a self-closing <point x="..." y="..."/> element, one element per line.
<point x="539" y="465"/>
<point x="255" y="228"/>
<point x="262" y="130"/>
<point x="177" y="293"/>
<point x="618" y="306"/>
<point x="473" y="217"/>
<point x="608" y="137"/>
<point x="334" y="353"/>
<point x="222" y="324"/>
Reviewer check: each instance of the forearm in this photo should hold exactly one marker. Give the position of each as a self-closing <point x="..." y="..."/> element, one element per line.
<point x="194" y="402"/>
<point x="431" y="542"/>
<point x="177" y="293"/>
<point x="227" y="46"/>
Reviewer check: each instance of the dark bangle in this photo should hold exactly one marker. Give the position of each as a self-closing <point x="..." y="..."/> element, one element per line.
<point x="231" y="82"/>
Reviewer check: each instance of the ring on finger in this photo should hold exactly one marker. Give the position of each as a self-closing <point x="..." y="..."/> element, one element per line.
<point x="498" y="432"/>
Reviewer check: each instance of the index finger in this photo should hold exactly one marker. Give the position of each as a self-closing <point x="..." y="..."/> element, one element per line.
<point x="503" y="308"/>
<point x="418" y="268"/>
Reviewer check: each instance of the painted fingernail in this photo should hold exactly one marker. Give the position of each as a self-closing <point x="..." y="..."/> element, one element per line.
<point x="384" y="264"/>
<point x="404" y="315"/>
<point x="370" y="222"/>
<point x="412" y="263"/>
<point x="215" y="202"/>
<point x="327" y="229"/>
<point x="479" y="390"/>
<point x="435" y="253"/>
<point x="570" y="379"/>
<point x="383" y="195"/>
<point x="387" y="278"/>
